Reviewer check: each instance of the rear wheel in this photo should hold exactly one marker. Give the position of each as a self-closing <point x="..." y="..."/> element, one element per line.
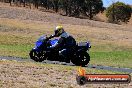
<point x="81" y="59"/>
<point x="37" y="56"/>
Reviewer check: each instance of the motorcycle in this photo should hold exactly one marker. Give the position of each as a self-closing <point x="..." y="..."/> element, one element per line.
<point x="41" y="51"/>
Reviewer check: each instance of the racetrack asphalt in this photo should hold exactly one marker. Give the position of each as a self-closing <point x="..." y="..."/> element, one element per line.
<point x="118" y="69"/>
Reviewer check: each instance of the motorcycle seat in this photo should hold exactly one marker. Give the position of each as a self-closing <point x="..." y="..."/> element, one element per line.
<point x="82" y="44"/>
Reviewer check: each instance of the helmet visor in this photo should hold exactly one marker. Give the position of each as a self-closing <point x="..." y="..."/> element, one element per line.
<point x="56" y="32"/>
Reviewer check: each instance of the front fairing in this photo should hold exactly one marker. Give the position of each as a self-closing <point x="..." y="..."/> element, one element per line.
<point x="53" y="42"/>
<point x="39" y="42"/>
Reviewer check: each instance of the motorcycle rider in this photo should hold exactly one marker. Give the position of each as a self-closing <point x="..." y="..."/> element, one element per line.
<point x="66" y="43"/>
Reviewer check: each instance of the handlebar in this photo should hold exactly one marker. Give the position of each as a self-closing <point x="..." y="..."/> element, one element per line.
<point x="52" y="36"/>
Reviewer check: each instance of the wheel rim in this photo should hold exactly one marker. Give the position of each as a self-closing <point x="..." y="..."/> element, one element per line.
<point x="38" y="56"/>
<point x="84" y="59"/>
<point x="81" y="59"/>
<point x="35" y="55"/>
<point x="42" y="55"/>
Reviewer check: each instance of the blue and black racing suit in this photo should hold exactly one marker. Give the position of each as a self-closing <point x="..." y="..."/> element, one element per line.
<point x="66" y="45"/>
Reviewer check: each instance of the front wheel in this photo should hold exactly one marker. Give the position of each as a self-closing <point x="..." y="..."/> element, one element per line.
<point x="81" y="59"/>
<point x="37" y="56"/>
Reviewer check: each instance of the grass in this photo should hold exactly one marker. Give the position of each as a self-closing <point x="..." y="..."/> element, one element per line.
<point x="62" y="68"/>
<point x="17" y="39"/>
<point x="36" y="75"/>
<point x="15" y="50"/>
<point x="114" y="58"/>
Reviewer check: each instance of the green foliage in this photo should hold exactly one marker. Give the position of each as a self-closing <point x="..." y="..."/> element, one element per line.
<point x="73" y="8"/>
<point x="93" y="7"/>
<point x="118" y="12"/>
<point x="85" y="7"/>
<point x="112" y="58"/>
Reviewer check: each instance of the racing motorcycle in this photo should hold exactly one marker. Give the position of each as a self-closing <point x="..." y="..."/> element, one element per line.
<point x="41" y="51"/>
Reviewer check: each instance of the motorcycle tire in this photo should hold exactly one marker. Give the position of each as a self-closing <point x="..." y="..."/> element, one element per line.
<point x="81" y="59"/>
<point x="36" y="56"/>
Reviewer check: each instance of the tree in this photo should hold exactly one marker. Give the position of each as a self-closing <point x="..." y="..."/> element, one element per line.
<point x="92" y="7"/>
<point x="73" y="8"/>
<point x="85" y="7"/>
<point x="55" y="5"/>
<point x="66" y="5"/>
<point x="118" y="12"/>
<point x="36" y="3"/>
<point x="45" y="3"/>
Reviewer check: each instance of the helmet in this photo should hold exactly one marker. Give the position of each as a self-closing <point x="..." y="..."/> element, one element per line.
<point x="58" y="30"/>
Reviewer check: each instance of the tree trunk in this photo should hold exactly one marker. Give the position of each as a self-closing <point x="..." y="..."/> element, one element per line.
<point x="90" y="11"/>
<point x="66" y="9"/>
<point x="10" y="2"/>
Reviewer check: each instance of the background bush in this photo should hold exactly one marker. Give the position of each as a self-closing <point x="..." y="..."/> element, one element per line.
<point x="118" y="12"/>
